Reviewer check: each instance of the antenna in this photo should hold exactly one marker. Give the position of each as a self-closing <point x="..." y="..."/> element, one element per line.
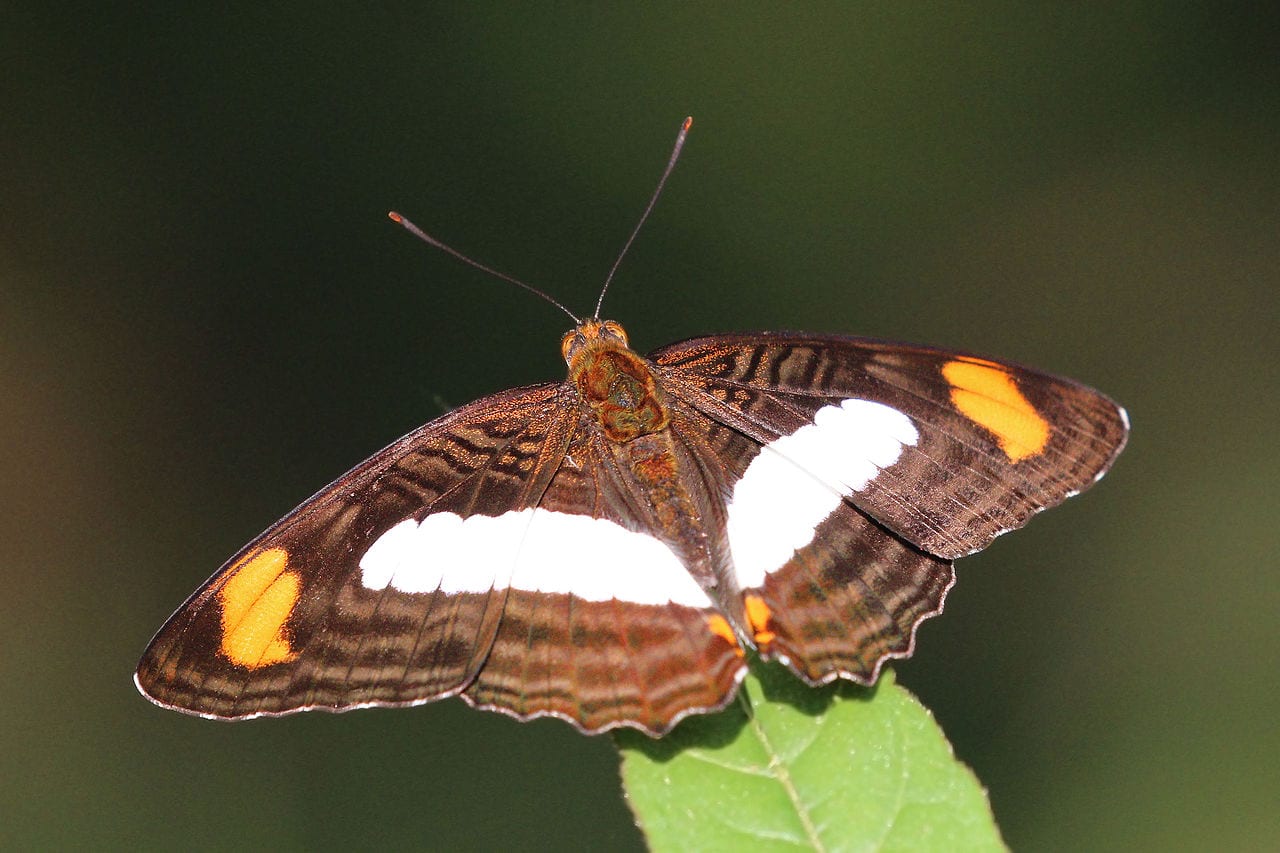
<point x="666" y="173"/>
<point x="432" y="241"/>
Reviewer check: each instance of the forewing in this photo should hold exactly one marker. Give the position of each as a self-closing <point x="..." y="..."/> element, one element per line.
<point x="945" y="449"/>
<point x="309" y="615"/>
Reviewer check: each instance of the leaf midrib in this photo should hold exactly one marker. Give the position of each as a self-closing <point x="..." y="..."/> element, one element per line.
<point x="779" y="771"/>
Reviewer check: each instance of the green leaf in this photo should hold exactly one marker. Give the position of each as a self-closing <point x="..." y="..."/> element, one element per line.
<point x="790" y="767"/>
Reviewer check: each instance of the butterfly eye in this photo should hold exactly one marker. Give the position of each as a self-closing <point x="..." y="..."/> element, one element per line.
<point x="614" y="329"/>
<point x="567" y="344"/>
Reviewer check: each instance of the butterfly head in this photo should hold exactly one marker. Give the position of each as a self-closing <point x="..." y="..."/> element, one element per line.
<point x="592" y="334"/>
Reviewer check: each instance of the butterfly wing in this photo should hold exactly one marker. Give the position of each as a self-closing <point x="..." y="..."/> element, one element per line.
<point x="639" y="644"/>
<point x="857" y="470"/>
<point x="290" y="623"/>
<point x="482" y="554"/>
<point x="978" y="446"/>
<point x="499" y="554"/>
<point x="836" y="599"/>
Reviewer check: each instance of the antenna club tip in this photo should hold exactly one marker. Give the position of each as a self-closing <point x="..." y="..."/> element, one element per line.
<point x="688" y="123"/>
<point x="395" y="217"/>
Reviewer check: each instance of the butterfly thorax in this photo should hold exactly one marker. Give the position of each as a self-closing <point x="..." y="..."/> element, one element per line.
<point x="617" y="386"/>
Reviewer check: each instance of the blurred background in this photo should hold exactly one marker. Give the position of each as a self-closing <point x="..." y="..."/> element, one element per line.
<point x="205" y="316"/>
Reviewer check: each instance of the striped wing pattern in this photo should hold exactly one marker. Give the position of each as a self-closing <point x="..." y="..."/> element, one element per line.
<point x="502" y="553"/>
<point x="879" y="563"/>
<point x="957" y="489"/>
<point x="603" y="663"/>
<point x="527" y="653"/>
<point x="345" y="645"/>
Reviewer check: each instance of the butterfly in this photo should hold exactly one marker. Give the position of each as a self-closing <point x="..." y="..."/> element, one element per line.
<point x="609" y="549"/>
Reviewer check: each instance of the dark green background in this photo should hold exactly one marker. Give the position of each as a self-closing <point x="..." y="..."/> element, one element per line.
<point x="204" y="316"/>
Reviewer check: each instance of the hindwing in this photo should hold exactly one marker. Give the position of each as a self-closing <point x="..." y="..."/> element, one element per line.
<point x="820" y="584"/>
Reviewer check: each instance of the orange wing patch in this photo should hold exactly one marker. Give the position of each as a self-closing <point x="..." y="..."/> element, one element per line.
<point x="721" y="628"/>
<point x="256" y="602"/>
<point x="985" y="393"/>
<point x="758" y="616"/>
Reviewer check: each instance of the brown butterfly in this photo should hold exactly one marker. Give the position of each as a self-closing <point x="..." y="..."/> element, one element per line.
<point x="606" y="549"/>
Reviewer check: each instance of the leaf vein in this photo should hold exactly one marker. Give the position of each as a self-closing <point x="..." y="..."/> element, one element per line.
<point x="735" y="768"/>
